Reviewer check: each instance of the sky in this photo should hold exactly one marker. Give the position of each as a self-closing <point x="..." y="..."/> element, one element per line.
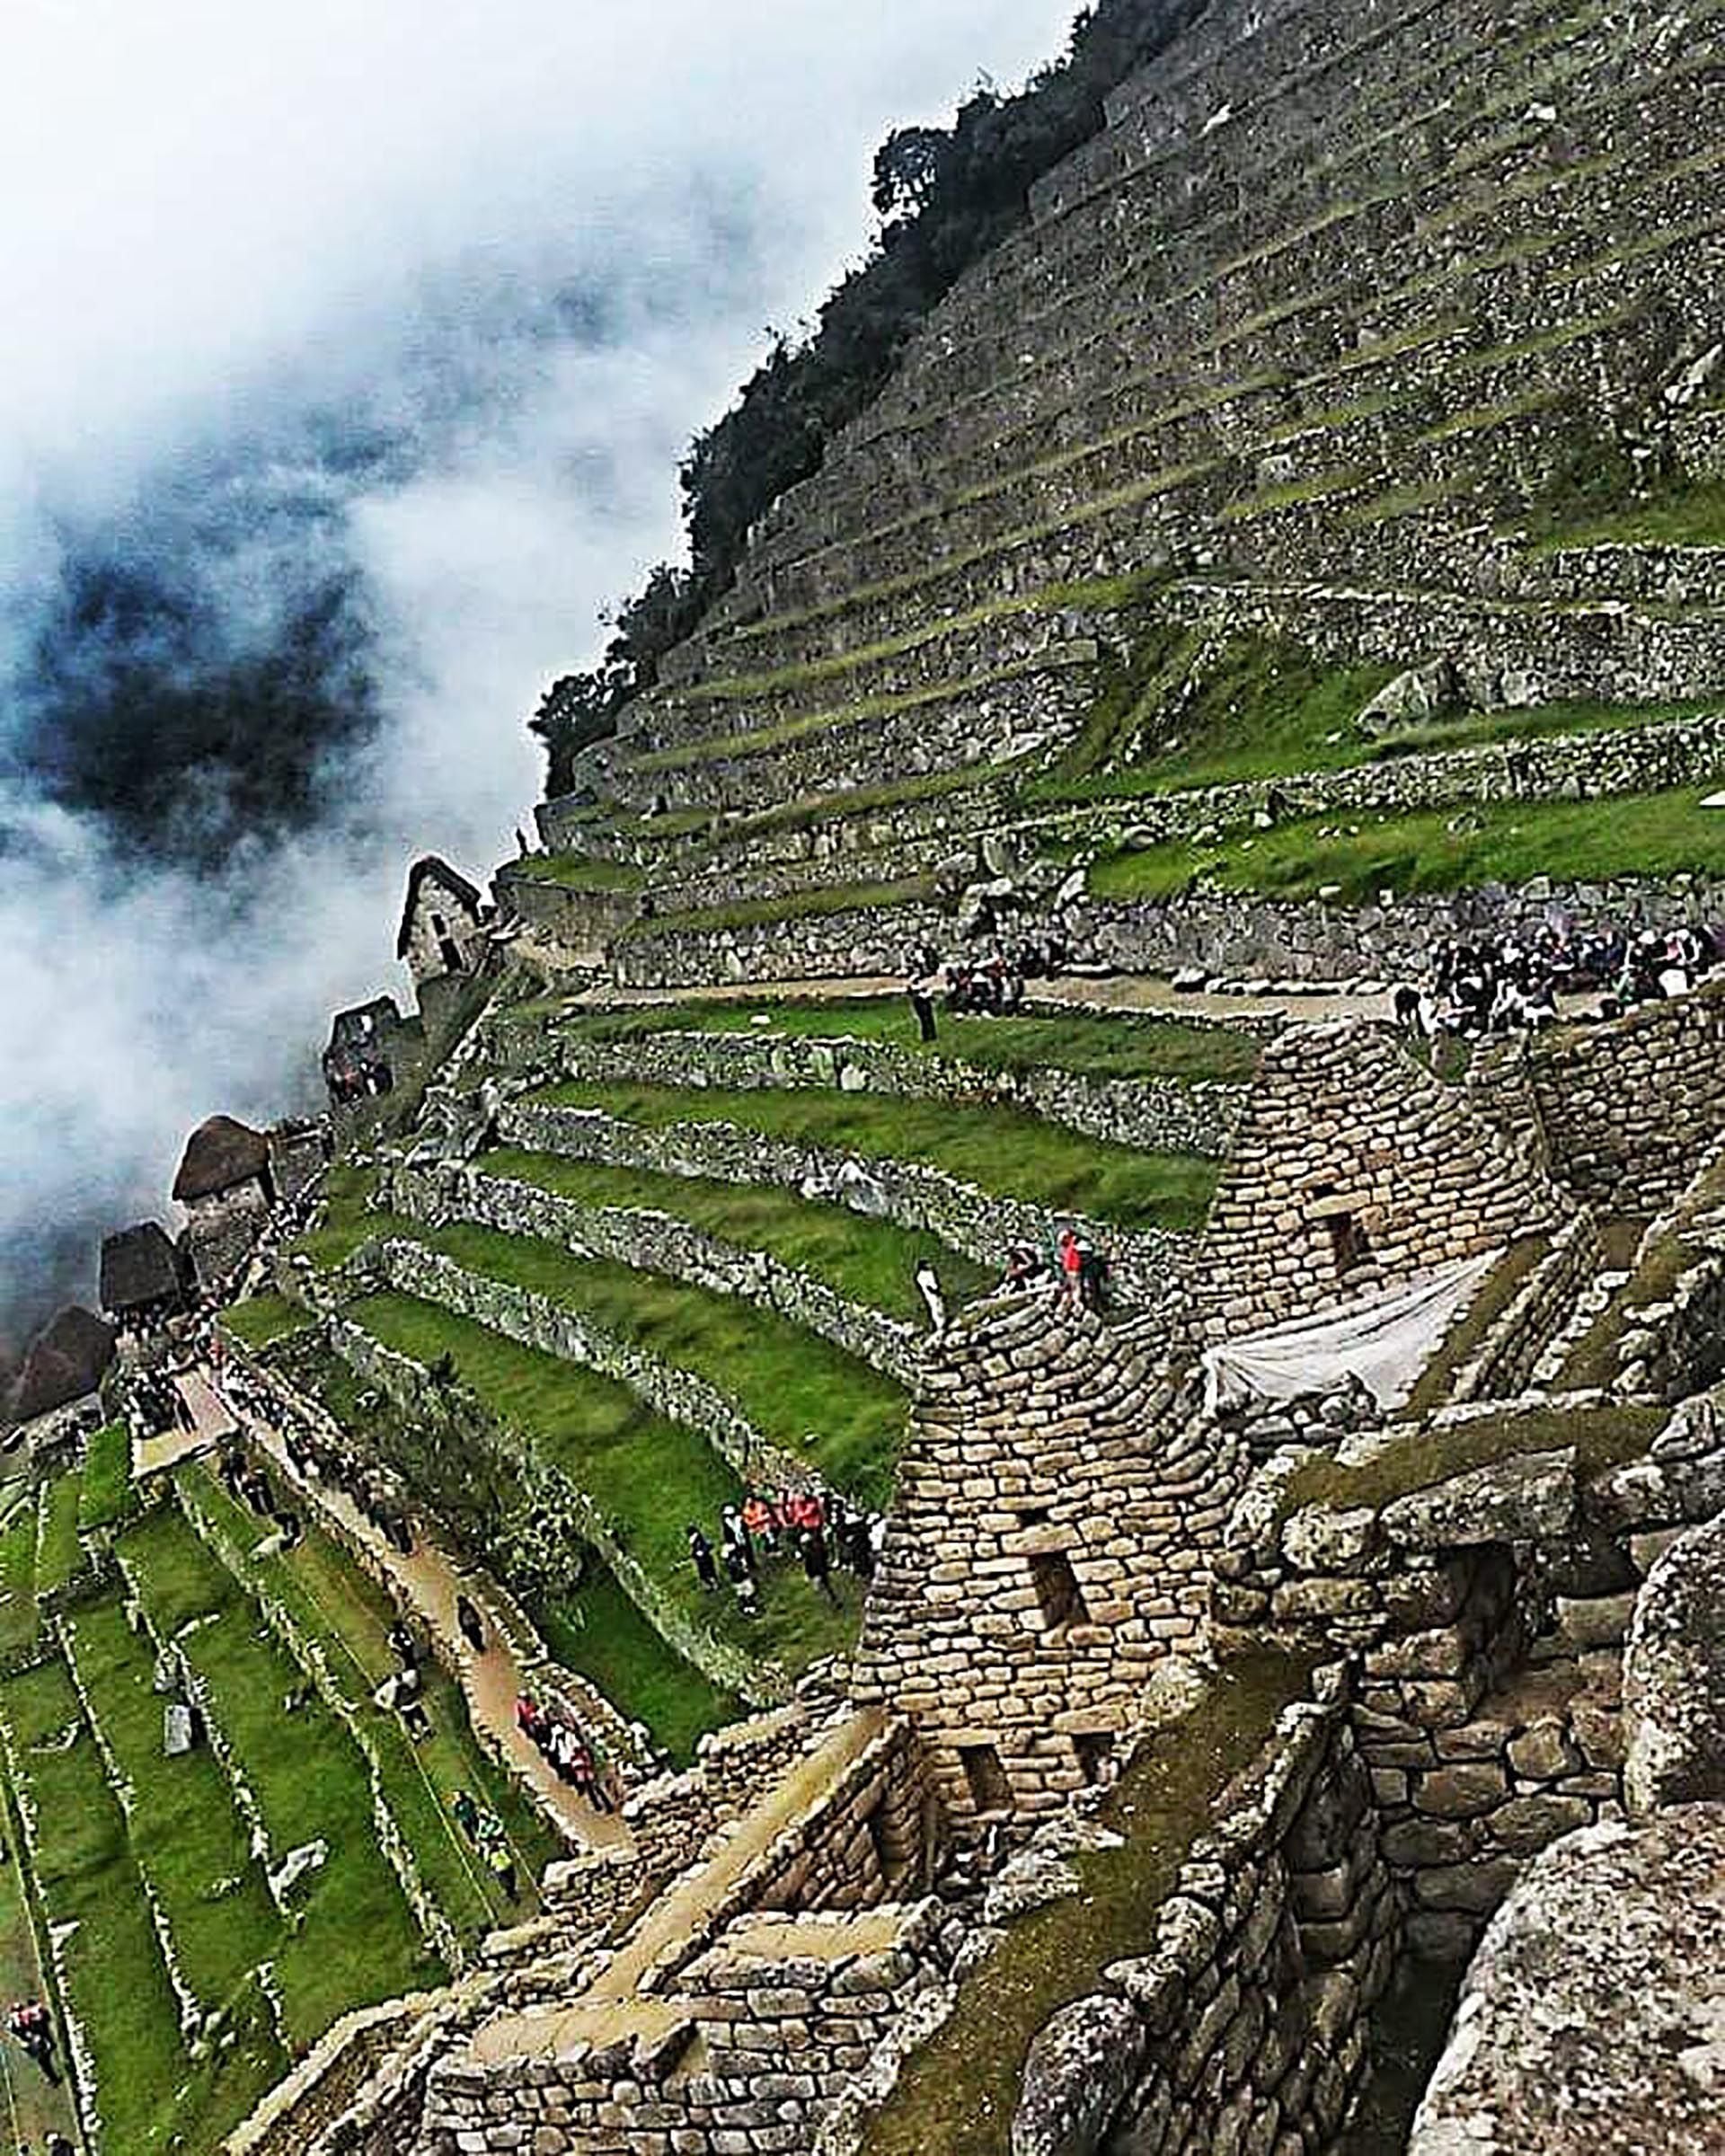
<point x="352" y="346"/>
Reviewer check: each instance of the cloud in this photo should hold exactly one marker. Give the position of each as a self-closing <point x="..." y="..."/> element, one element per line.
<point x="392" y="318"/>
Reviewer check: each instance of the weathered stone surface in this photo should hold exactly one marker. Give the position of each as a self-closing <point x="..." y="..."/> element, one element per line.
<point x="1028" y="1882"/>
<point x="1674" y="1677"/>
<point x="1075" y="2078"/>
<point x="1527" y="1498"/>
<point x="1591" y="2021"/>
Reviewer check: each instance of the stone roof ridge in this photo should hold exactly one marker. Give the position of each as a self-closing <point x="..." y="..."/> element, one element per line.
<point x="434" y="864"/>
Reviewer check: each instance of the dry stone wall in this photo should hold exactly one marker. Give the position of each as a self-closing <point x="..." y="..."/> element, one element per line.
<point x="1148" y="1265"/>
<point x="1058" y="1506"/>
<point x="859" y="942"/>
<point x="1354" y="1169"/>
<point x="1245" y="2025"/>
<point x="1159" y="1115"/>
<point x="644" y="1238"/>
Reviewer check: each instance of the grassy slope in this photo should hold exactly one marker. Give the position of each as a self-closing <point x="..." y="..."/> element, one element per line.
<point x="261" y="1320"/>
<point x="57" y="1551"/>
<point x="999" y="1149"/>
<point x="34" y="2106"/>
<point x="336" y="1605"/>
<point x="649" y="1476"/>
<point x="1096" y="1046"/>
<point x="359" y="1941"/>
<point x="151" y="2097"/>
<point x="106" y="1489"/>
<point x="793" y="1386"/>
<point x="18" y="1615"/>
<point x="871" y="1261"/>
<point x="1630" y="834"/>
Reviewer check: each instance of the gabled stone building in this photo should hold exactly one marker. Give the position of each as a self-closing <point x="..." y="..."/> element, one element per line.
<point x="1057" y="1500"/>
<point x="443" y="929"/>
<point x="62" y="1371"/>
<point x="141" y="1277"/>
<point x="226" y="1185"/>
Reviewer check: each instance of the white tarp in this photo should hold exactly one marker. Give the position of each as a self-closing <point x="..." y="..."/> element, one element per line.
<point x="1384" y="1340"/>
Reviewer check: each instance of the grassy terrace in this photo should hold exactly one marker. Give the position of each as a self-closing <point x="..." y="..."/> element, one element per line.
<point x="17" y="1615"/>
<point x="594" y="1629"/>
<point x="998" y="1149"/>
<point x="151" y="2096"/>
<point x="1651" y="835"/>
<point x="357" y="1942"/>
<point x="105" y="1489"/>
<point x="1080" y="1042"/>
<point x="869" y="1261"/>
<point x="262" y="1320"/>
<point x="334" y="1604"/>
<point x="649" y="1476"/>
<point x="1271" y="710"/>
<point x="1603" y="1438"/>
<point x="578" y="872"/>
<point x="36" y="2108"/>
<point x="58" y="1553"/>
<point x="800" y="1391"/>
<point x="344" y="1222"/>
<point x="957" y="2094"/>
<point x="814" y="902"/>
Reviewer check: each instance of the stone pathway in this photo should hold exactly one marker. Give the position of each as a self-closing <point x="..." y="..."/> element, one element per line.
<point x="618" y="2002"/>
<point x="428" y="1582"/>
<point x="211" y="1422"/>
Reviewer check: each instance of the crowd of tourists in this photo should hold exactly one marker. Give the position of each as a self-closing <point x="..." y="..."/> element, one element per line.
<point x="988" y="985"/>
<point x="1510" y="984"/>
<point x="29" y="2024"/>
<point x="379" y="1496"/>
<point x="566" y="1748"/>
<point x="821" y="1531"/>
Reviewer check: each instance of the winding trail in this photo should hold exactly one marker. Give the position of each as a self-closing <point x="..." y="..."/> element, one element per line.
<point x="427" y="1582"/>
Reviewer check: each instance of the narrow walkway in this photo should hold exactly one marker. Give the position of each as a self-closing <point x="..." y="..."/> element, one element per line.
<point x="428" y="1581"/>
<point x="210" y="1421"/>
<point x="620" y="2002"/>
<point x="1071" y="992"/>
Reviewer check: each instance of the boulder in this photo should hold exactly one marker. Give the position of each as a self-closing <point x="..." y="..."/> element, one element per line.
<point x="1674" y="1677"/>
<point x="1412" y="698"/>
<point x="1529" y="1497"/>
<point x="1080" y="2069"/>
<point x="1027" y="1882"/>
<point x="1590" y="2021"/>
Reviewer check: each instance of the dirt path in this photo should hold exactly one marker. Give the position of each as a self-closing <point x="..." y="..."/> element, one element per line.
<point x="211" y="1423"/>
<point x="428" y="1582"/>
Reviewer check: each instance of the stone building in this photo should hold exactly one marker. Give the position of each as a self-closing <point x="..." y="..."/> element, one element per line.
<point x="62" y="1371"/>
<point x="443" y="923"/>
<point x="1057" y="1501"/>
<point x="299" y="1150"/>
<point x="1354" y="1170"/>
<point x="226" y="1185"/>
<point x="141" y="1277"/>
<point x="364" y="1050"/>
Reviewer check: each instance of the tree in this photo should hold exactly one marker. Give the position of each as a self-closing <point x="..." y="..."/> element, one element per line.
<point x="574" y="713"/>
<point x="907" y="171"/>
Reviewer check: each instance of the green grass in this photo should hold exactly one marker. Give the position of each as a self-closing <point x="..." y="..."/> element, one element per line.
<point x="333" y="1603"/>
<point x="1087" y="1042"/>
<point x="107" y="1487"/>
<point x="1466" y="1337"/>
<point x="261" y="1320"/>
<point x="1653" y="834"/>
<point x="801" y="1392"/>
<point x="187" y="1834"/>
<point x="1603" y="1438"/>
<point x="345" y="1224"/>
<point x="814" y="903"/>
<point x="599" y="1631"/>
<point x="35" y="2106"/>
<point x="578" y="872"/>
<point x="1687" y="513"/>
<point x="358" y="1942"/>
<point x="870" y="1261"/>
<point x="863" y="800"/>
<point x="151" y="2097"/>
<point x="998" y="1149"/>
<point x="649" y="1476"/>
<point x="58" y="1553"/>
<point x="17" y="1615"/>
<point x="959" y="2092"/>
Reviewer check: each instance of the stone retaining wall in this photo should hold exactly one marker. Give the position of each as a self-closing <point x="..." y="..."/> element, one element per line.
<point x="832" y="946"/>
<point x="1148" y="1264"/>
<point x="644" y="1238"/>
<point x="1246" y="2025"/>
<point x="1159" y="1115"/>
<point x="1506" y="1360"/>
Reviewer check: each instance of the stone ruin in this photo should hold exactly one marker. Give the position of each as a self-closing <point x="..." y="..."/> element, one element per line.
<point x="1491" y="1735"/>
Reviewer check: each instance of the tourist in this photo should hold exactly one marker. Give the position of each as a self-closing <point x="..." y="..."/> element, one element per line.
<point x="735" y="1536"/>
<point x="1093" y="1274"/>
<point x="740" y="1571"/>
<point x="921" y="992"/>
<point x="466" y="1811"/>
<point x="1069" y="1259"/>
<point x="1025" y="1267"/>
<point x="32" y="2025"/>
<point x="817" y="1563"/>
<point x="470" y="1623"/>
<point x="706" y="1566"/>
<point x="759" y="1521"/>
<point x="928" y="1286"/>
<point x="501" y="1860"/>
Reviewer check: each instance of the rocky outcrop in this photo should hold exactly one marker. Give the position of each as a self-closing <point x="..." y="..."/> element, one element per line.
<point x="1591" y="2021"/>
<point x="1674" y="1677"/>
